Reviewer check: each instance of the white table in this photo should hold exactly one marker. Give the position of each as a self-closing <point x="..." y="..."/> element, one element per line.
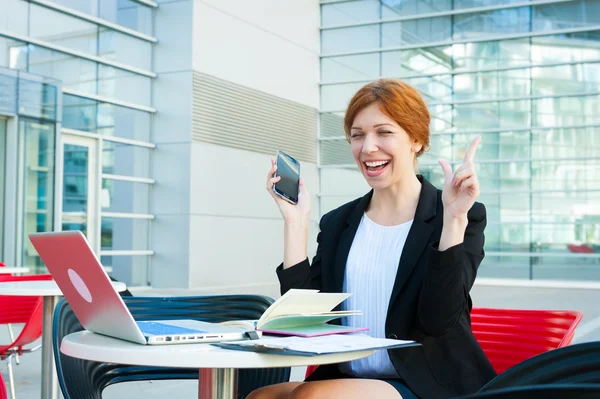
<point x="51" y="293"/>
<point x="14" y="270"/>
<point x="218" y="366"/>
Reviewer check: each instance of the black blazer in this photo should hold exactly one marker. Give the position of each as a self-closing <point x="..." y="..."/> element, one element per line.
<point x="430" y="301"/>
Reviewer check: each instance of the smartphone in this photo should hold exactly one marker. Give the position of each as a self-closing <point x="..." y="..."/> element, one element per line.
<point x="289" y="170"/>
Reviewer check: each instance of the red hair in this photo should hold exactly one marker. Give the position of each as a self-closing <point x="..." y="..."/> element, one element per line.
<point x="399" y="101"/>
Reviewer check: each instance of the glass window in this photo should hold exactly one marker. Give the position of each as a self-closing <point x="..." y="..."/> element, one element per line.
<point x="352" y="67"/>
<point x="125" y="160"/>
<point x="37" y="186"/>
<point x="125" y="196"/>
<point x="565" y="111"/>
<point x="13" y="54"/>
<point x="126" y="49"/>
<point x="63" y="30"/>
<point x="578" y="78"/>
<point x="575" y="14"/>
<point x="122" y="234"/>
<point x="489" y="115"/>
<point x="401" y="8"/>
<point x="565" y="143"/>
<point x="74" y="73"/>
<point x="127" y="13"/>
<point x="492" y="54"/>
<point x="349" y="12"/>
<point x="37" y="99"/>
<point x="122" y="85"/>
<point x="350" y="39"/>
<point x="112" y="120"/>
<point x="89" y="7"/>
<point x="416" y="31"/>
<point x="8" y="88"/>
<point x="132" y="270"/>
<point x="416" y="61"/>
<point x="512" y="20"/>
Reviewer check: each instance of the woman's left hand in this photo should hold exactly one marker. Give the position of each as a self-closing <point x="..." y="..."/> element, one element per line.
<point x="461" y="188"/>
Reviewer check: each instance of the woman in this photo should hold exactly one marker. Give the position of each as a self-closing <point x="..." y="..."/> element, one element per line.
<point x="408" y="252"/>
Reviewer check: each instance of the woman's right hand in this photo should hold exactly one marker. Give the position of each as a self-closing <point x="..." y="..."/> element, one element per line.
<point x="291" y="213"/>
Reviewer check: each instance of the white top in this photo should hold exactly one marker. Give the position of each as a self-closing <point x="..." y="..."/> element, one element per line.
<point x="40" y="288"/>
<point x="12" y="270"/>
<point x="90" y="346"/>
<point x="370" y="275"/>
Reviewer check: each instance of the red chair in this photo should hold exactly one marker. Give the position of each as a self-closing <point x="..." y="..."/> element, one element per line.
<point x="25" y="310"/>
<point x="510" y="336"/>
<point x="2" y="388"/>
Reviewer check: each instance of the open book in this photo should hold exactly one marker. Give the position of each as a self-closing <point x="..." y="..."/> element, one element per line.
<point x="304" y="313"/>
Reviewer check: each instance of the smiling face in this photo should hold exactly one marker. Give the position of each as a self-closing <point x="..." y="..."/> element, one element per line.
<point x="383" y="151"/>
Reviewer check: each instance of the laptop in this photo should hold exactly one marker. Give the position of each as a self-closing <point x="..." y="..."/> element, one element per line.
<point x="100" y="309"/>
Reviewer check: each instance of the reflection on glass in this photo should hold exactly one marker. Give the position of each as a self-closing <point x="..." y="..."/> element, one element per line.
<point x="75" y="188"/>
<point x="37" y="166"/>
<point x="112" y="120"/>
<point x="124" y="196"/>
<point x="534" y="101"/>
<point x="132" y="270"/>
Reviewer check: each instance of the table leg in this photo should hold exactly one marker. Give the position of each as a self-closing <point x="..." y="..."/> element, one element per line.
<point x="217" y="384"/>
<point x="49" y="378"/>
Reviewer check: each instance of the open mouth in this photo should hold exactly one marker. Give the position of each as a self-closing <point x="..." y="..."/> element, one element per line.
<point x="375" y="168"/>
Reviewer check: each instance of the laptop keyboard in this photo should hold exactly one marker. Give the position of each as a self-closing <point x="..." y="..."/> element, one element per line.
<point x="157" y="328"/>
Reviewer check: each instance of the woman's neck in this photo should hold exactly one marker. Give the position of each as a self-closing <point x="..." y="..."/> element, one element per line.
<point x="396" y="204"/>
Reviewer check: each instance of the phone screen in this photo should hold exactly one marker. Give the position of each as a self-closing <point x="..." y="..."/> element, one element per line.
<point x="289" y="170"/>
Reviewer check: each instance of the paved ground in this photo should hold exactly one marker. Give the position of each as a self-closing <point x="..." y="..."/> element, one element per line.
<point x="28" y="373"/>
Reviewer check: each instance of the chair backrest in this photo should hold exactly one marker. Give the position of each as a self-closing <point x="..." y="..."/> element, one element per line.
<point x="3" y="394"/>
<point x="574" y="364"/>
<point x="551" y="391"/>
<point x="510" y="336"/>
<point x="18" y="309"/>
<point x="82" y="379"/>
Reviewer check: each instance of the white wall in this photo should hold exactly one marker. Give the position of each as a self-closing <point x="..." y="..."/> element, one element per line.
<point x="236" y="230"/>
<point x="268" y="45"/>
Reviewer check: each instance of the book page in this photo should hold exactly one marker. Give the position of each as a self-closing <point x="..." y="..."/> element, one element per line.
<point x="296" y="302"/>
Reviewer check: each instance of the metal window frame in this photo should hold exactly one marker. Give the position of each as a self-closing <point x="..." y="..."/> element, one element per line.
<point x="501" y="99"/>
<point x="484" y="161"/>
<point x="147" y="3"/>
<point x="77" y="54"/>
<point x="492" y="38"/>
<point x="99" y="21"/>
<point x="470" y="71"/>
<point x="115" y="139"/>
<point x="488" y="131"/>
<point x="132" y="179"/>
<point x="109" y="100"/>
<point x="121" y="215"/>
<point x="126" y="253"/>
<point x="446" y="13"/>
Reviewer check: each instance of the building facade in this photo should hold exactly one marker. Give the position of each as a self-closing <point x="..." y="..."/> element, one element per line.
<point x="149" y="125"/>
<point x="523" y="75"/>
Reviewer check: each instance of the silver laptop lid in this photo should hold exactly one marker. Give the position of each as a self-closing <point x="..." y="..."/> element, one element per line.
<point x="86" y="285"/>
